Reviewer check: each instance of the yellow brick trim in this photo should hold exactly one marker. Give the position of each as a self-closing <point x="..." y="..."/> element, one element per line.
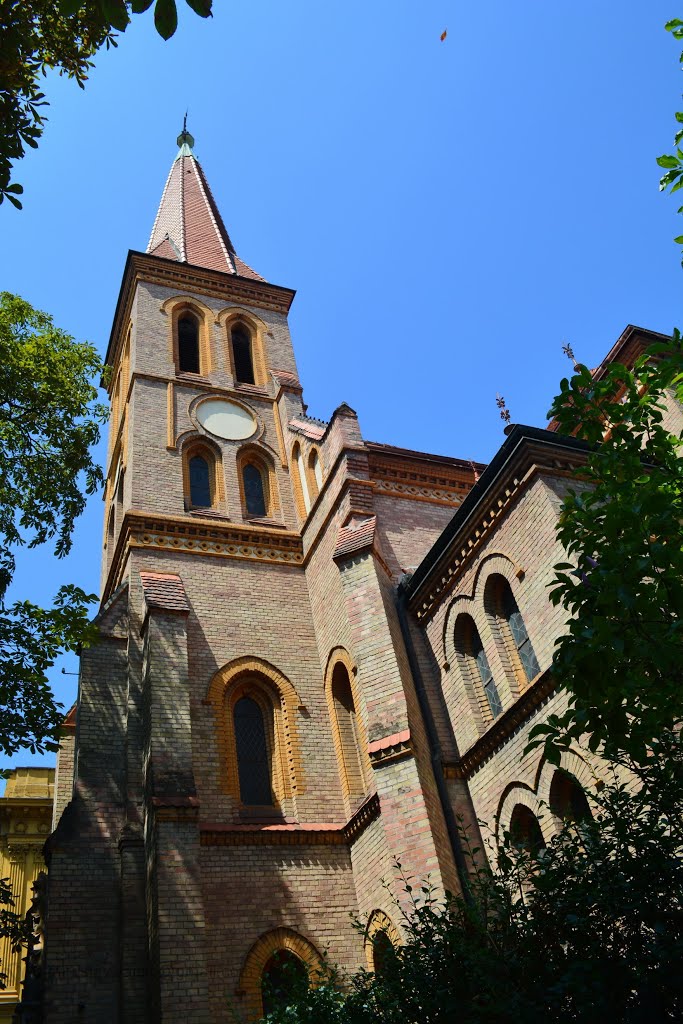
<point x="257" y="329"/>
<point x="280" y="436"/>
<point x="379" y="922"/>
<point x="339" y="656"/>
<point x="280" y="702"/>
<point x="170" y="416"/>
<point x="295" y="476"/>
<point x="259" y="955"/>
<point x="313" y="486"/>
<point x="174" y="308"/>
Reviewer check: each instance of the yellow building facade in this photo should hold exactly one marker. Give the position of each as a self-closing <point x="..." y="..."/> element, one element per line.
<point x="25" y="822"/>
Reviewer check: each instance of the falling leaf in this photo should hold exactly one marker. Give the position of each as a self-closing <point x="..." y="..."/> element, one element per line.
<point x="444" y="34"/>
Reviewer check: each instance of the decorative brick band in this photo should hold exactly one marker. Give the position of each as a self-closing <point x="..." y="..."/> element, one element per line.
<point x="403" y="480"/>
<point x="202" y="537"/>
<point x="501" y="730"/>
<point x="444" y="577"/>
<point x="390" y="748"/>
<point x="301" y="834"/>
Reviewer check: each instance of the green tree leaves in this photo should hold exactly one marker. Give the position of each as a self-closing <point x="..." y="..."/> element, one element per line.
<point x="621" y="656"/>
<point x="589" y="929"/>
<point x="64" y="36"/>
<point x="49" y="420"/>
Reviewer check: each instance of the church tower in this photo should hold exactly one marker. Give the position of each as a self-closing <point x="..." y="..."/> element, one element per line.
<point x="252" y="750"/>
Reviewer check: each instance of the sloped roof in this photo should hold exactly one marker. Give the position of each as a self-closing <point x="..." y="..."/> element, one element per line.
<point x="188" y="226"/>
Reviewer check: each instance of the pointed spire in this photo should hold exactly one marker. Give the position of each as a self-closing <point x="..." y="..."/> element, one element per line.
<point x="185" y="140"/>
<point x="188" y="227"/>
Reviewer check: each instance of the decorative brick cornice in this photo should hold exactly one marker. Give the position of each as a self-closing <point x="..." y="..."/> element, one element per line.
<point x="175" y="808"/>
<point x="529" y="460"/>
<point x="420" y="481"/>
<point x="358" y="822"/>
<point x="203" y="537"/>
<point x="390" y="748"/>
<point x="500" y="731"/>
<point x="288" y="834"/>
<point x="195" y="280"/>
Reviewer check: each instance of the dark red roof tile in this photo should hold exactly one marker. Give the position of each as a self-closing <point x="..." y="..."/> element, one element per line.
<point x="165" y="591"/>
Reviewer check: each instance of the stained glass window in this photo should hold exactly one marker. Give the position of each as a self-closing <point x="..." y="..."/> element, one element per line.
<point x="519" y="634"/>
<point x="254" y="493"/>
<point x="188" y="344"/>
<point x="253" y="761"/>
<point x="284" y="976"/>
<point x="241" y="353"/>
<point x="200" y="482"/>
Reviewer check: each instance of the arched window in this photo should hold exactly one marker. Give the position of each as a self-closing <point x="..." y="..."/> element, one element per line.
<point x="315" y="474"/>
<point x="255" y="491"/>
<point x="567" y="799"/>
<point x="382" y="950"/>
<point x="200" y="482"/>
<point x="381" y="941"/>
<point x="253" y="754"/>
<point x="513" y="625"/>
<point x="349" y="747"/>
<point x="487" y="680"/>
<point x="525" y="831"/>
<point x="284" y="977"/>
<point x="188" y="343"/>
<point x="111" y="529"/>
<point x="242" y="357"/>
<point x="474" y="662"/>
<point x="301" y="482"/>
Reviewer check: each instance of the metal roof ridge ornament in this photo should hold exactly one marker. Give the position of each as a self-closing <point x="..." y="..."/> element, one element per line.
<point x="185" y="141"/>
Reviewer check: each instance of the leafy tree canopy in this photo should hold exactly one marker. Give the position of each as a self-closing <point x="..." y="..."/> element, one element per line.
<point x="620" y="659"/>
<point x="61" y="35"/>
<point x="588" y="929"/>
<point x="49" y="420"/>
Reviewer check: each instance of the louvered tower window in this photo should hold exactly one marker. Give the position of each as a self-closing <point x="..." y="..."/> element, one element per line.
<point x="242" y="355"/>
<point x="188" y="344"/>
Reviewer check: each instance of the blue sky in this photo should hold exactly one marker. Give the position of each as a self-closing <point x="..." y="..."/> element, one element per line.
<point x="449" y="212"/>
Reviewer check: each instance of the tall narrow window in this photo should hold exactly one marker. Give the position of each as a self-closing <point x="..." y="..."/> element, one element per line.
<point x="254" y="490"/>
<point x="315" y="475"/>
<point x="347" y="729"/>
<point x="188" y="344"/>
<point x="284" y="977"/>
<point x="200" y="482"/>
<point x="253" y="756"/>
<point x="520" y="638"/>
<point x="567" y="799"/>
<point x="242" y="355"/>
<point x="382" y="950"/>
<point x="111" y="529"/>
<point x="303" y="482"/>
<point x="488" y="682"/>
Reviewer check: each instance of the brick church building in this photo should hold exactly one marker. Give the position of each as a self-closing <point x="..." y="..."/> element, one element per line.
<point x="318" y="653"/>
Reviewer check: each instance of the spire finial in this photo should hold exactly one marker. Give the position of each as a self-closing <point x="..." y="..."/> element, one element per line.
<point x="185" y="140"/>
